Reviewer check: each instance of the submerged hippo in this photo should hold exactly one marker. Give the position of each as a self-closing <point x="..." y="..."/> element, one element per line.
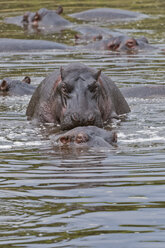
<point x="107" y="14"/>
<point x="87" y="38"/>
<point x="76" y="95"/>
<point x="121" y="43"/>
<point x="44" y="19"/>
<point x="9" y="45"/>
<point x="9" y="86"/>
<point x="147" y="91"/>
<point x="88" y="32"/>
<point x="89" y="136"/>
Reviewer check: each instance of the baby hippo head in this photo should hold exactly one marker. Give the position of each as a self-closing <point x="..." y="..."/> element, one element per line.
<point x="90" y="136"/>
<point x="74" y="138"/>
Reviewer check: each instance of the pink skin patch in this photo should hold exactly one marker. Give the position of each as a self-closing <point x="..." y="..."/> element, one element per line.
<point x="57" y="82"/>
<point x="77" y="139"/>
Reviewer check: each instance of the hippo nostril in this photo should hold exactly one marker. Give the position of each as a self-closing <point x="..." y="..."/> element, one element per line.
<point x="91" y="118"/>
<point x="81" y="137"/>
<point x="75" y="117"/>
<point x="65" y="140"/>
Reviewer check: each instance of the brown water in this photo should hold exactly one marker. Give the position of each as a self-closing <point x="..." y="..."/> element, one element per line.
<point x="84" y="198"/>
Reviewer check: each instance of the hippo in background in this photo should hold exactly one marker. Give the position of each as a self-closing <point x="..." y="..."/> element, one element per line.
<point x="88" y="33"/>
<point x="118" y="44"/>
<point x="79" y="39"/>
<point x="146" y="91"/>
<point x="44" y="19"/>
<point x="15" y="87"/>
<point x="107" y="15"/>
<point x="89" y="136"/>
<point x="122" y="43"/>
<point x="76" y="95"/>
<point x="13" y="45"/>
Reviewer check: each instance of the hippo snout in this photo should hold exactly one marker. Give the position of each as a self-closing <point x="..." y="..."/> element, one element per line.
<point x="75" y="119"/>
<point x="90" y="118"/>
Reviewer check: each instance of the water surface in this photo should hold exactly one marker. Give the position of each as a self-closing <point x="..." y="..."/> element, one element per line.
<point x="84" y="198"/>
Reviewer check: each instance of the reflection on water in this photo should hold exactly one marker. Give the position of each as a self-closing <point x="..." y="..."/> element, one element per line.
<point x="83" y="197"/>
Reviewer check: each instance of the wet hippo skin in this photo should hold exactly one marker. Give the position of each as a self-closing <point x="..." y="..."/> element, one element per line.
<point x="42" y="19"/>
<point x="89" y="136"/>
<point x="147" y="91"/>
<point x="10" y="45"/>
<point x="122" y="43"/>
<point x="107" y="14"/>
<point x="15" y="87"/>
<point x="76" y="95"/>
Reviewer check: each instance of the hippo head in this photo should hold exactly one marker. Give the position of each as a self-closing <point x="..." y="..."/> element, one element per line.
<point x="128" y="44"/>
<point x="76" y="95"/>
<point x="79" y="94"/>
<point x="90" y="136"/>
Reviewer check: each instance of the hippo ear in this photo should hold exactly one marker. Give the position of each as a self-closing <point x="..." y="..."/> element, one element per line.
<point x="37" y="17"/>
<point x="25" y="17"/>
<point x="4" y="86"/>
<point x="97" y="75"/>
<point x="59" y="11"/>
<point x="114" y="137"/>
<point x="62" y="73"/>
<point x="26" y="80"/>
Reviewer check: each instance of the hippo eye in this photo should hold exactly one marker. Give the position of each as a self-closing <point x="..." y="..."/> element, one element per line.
<point x="131" y="43"/>
<point x="66" y="89"/>
<point x="93" y="87"/>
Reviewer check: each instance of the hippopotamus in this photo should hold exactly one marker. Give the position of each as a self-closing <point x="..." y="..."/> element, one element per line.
<point x="9" y="45"/>
<point x="89" y="136"/>
<point x="43" y="19"/>
<point x="107" y="14"/>
<point x="88" y="32"/>
<point x="16" y="87"/>
<point x="146" y="91"/>
<point x="121" y="43"/>
<point x="86" y="38"/>
<point x="76" y="95"/>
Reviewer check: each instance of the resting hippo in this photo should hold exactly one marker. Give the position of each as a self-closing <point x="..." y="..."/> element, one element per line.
<point x="148" y="91"/>
<point x="121" y="43"/>
<point x="89" y="136"/>
<point x="76" y="95"/>
<point x="9" y="45"/>
<point x="49" y="20"/>
<point x="9" y="86"/>
<point x="107" y="14"/>
<point x="88" y="32"/>
<point x="86" y="38"/>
